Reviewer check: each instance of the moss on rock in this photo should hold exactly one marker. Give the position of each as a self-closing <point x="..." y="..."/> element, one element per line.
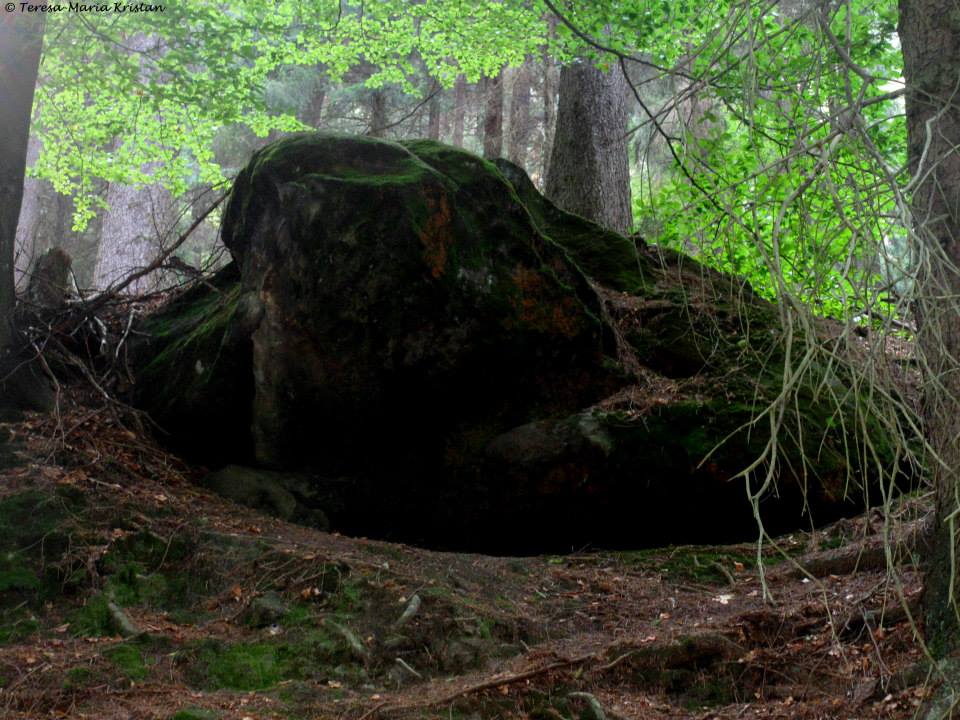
<point x="195" y="372"/>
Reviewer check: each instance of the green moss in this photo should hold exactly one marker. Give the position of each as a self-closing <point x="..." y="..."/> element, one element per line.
<point x="78" y="677"/>
<point x="147" y="550"/>
<point x="93" y="619"/>
<point x="29" y="548"/>
<point x="198" y="345"/>
<point x="194" y="330"/>
<point x="129" y="660"/>
<point x="691" y="563"/>
<point x="195" y="714"/>
<point x="143" y="569"/>
<point x="700" y="690"/>
<point x="298" y="616"/>
<point x="45" y="510"/>
<point x="16" y="624"/>
<point x="14" y="575"/>
<point x="349" y="597"/>
<point x="244" y="666"/>
<point x="304" y="653"/>
<point x="607" y="257"/>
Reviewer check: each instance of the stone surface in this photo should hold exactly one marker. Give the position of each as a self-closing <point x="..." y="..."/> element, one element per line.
<point x="407" y="301"/>
<point x="288" y="496"/>
<point x="265" y="610"/>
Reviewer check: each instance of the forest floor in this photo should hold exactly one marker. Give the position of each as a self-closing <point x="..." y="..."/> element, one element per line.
<point x="128" y="592"/>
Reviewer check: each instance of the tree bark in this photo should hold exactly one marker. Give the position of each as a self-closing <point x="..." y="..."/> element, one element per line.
<point x="21" y="43"/>
<point x="313" y="113"/>
<point x="589" y="170"/>
<point x="493" y="117"/>
<point x="132" y="234"/>
<point x="549" y="105"/>
<point x="433" y="119"/>
<point x="930" y="38"/>
<point x="378" y="114"/>
<point x="459" y="108"/>
<point x="34" y="221"/>
<point x="520" y="115"/>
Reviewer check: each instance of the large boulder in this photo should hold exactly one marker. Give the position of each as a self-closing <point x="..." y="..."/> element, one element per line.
<point x="477" y="368"/>
<point x="407" y="303"/>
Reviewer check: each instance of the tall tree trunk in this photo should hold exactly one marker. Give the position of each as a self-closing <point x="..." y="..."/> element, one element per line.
<point x="493" y="117"/>
<point x="33" y="227"/>
<point x="313" y="113"/>
<point x="21" y="43"/>
<point x="433" y="120"/>
<point x="520" y="115"/>
<point x="930" y="38"/>
<point x="549" y="104"/>
<point x="589" y="170"/>
<point x="378" y="114"/>
<point x="459" y="109"/>
<point x="132" y="233"/>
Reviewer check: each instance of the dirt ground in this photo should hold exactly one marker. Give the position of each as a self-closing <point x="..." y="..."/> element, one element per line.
<point x="127" y="592"/>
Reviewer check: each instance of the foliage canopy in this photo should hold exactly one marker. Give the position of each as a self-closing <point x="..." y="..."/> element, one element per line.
<point x="781" y="118"/>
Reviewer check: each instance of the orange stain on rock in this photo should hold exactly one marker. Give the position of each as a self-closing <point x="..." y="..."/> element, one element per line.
<point x="436" y="236"/>
<point x="541" y="309"/>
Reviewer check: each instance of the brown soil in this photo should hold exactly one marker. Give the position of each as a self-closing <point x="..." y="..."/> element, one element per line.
<point x="680" y="632"/>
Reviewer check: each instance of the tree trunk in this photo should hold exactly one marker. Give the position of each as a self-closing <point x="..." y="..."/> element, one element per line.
<point x="313" y="113"/>
<point x="520" y="115"/>
<point x="433" y="120"/>
<point x="33" y="224"/>
<point x="549" y="105"/>
<point x="930" y="38"/>
<point x="21" y="43"/>
<point x="378" y="114"/>
<point x="132" y="234"/>
<point x="459" y="108"/>
<point x="589" y="170"/>
<point x="493" y="117"/>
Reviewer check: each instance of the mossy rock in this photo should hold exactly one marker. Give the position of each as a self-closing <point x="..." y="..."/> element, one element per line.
<point x="298" y="497"/>
<point x="670" y="473"/>
<point x="392" y="276"/>
<point x="605" y="256"/>
<point x="432" y="342"/>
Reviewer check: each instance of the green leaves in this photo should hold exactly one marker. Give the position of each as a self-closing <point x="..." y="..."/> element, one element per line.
<point x="787" y="150"/>
<point x="774" y="111"/>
